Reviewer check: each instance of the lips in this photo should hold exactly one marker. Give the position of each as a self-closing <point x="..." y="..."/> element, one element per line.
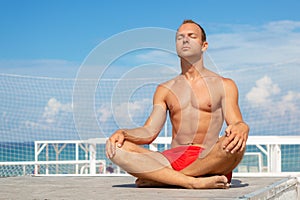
<point x="185" y="48"/>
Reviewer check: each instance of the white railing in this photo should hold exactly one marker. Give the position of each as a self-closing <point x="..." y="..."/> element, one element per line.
<point x="269" y="146"/>
<point x="272" y="152"/>
<point x="89" y="164"/>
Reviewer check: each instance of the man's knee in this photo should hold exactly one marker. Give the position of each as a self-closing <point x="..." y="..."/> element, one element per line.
<point x="135" y="159"/>
<point x="127" y="152"/>
<point x="229" y="160"/>
<point x="122" y="153"/>
<point x="221" y="151"/>
<point x="129" y="146"/>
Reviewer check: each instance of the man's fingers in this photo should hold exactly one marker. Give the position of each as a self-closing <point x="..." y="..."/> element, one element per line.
<point x="120" y="141"/>
<point x="227" y="141"/>
<point x="228" y="130"/>
<point x="243" y="146"/>
<point x="110" y="149"/>
<point x="233" y="142"/>
<point x="237" y="146"/>
<point x="229" y="137"/>
<point x="116" y="140"/>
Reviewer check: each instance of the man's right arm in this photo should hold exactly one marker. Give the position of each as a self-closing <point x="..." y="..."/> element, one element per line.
<point x="147" y="133"/>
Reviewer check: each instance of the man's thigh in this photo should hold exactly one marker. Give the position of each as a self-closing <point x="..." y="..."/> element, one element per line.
<point x="217" y="161"/>
<point x="131" y="147"/>
<point x="136" y="159"/>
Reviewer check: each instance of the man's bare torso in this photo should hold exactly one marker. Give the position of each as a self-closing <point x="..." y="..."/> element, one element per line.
<point x="195" y="108"/>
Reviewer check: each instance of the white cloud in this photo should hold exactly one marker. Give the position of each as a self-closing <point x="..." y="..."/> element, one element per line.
<point x="258" y="45"/>
<point x="104" y="113"/>
<point x="156" y="63"/>
<point x="270" y="101"/>
<point x="131" y="114"/>
<point x="162" y="57"/>
<point x="53" y="108"/>
<point x="282" y="26"/>
<point x="32" y="125"/>
<point x="263" y="91"/>
<point x="289" y="104"/>
<point x="40" y="67"/>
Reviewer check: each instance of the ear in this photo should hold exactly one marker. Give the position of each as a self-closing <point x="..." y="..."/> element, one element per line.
<point x="204" y="46"/>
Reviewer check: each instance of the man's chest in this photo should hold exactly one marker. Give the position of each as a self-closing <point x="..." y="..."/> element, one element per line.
<point x="198" y="96"/>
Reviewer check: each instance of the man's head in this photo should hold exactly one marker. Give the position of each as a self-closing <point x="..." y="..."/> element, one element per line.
<point x="190" y="41"/>
<point x="203" y="36"/>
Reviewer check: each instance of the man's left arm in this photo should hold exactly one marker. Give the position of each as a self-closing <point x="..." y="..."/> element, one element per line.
<point x="236" y="133"/>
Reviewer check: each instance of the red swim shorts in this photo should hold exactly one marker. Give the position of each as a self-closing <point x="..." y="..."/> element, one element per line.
<point x="182" y="156"/>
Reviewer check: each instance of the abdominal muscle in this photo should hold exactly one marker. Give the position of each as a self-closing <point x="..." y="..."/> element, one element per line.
<point x="195" y="112"/>
<point x="196" y="126"/>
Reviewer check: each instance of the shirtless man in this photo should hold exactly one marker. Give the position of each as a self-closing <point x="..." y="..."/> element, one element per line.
<point x="198" y="101"/>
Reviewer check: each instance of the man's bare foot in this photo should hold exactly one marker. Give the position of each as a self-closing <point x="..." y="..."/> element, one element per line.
<point x="212" y="182"/>
<point x="148" y="183"/>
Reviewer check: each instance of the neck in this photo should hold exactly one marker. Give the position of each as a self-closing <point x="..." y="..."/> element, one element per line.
<point x="192" y="70"/>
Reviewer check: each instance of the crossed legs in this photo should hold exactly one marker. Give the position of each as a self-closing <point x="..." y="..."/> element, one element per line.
<point x="153" y="168"/>
<point x="218" y="161"/>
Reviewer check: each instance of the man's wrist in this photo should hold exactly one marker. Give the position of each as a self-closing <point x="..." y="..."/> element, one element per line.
<point x="240" y="122"/>
<point x="125" y="133"/>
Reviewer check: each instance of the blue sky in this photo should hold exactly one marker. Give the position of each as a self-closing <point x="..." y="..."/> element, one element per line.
<point x="256" y="43"/>
<point x="38" y="34"/>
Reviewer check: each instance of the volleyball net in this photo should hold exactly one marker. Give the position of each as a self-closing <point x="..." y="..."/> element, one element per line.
<point x="46" y="109"/>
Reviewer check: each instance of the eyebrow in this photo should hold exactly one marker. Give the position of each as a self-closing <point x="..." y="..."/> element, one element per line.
<point x="189" y="33"/>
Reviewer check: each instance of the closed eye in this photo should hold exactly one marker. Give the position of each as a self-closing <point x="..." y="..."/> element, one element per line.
<point x="179" y="37"/>
<point x="193" y="35"/>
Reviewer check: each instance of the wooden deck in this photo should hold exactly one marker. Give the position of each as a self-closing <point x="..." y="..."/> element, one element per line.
<point x="115" y="187"/>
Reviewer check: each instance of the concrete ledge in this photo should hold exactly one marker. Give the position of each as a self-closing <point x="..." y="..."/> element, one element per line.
<point x="287" y="188"/>
<point x="123" y="187"/>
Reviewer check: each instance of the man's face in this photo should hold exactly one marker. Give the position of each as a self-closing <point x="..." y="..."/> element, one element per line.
<point x="189" y="41"/>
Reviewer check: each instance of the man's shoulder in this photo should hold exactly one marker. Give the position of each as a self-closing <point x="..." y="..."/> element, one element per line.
<point x="229" y="83"/>
<point x="170" y="83"/>
<point x="218" y="80"/>
<point x="163" y="89"/>
<point x="227" y="80"/>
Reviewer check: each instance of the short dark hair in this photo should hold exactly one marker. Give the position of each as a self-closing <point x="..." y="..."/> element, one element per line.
<point x="186" y="21"/>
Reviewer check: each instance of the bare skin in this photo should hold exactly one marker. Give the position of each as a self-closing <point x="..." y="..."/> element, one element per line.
<point x="198" y="101"/>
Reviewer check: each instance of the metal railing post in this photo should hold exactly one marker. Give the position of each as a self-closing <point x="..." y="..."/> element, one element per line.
<point x="92" y="150"/>
<point x="275" y="158"/>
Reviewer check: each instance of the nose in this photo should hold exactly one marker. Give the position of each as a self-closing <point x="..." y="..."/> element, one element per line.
<point x="185" y="39"/>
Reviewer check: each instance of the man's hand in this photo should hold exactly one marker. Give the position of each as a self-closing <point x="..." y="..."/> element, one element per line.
<point x="236" y="137"/>
<point x="116" y="140"/>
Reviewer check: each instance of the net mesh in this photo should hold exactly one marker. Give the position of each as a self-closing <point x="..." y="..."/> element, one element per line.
<point x="37" y="108"/>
